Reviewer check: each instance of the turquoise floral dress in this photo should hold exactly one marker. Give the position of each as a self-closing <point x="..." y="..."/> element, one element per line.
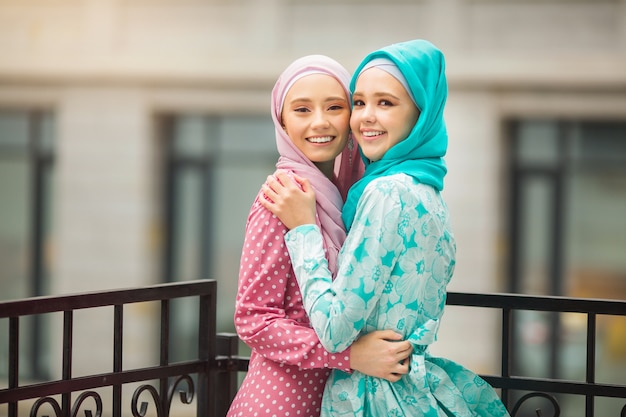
<point x="393" y="271"/>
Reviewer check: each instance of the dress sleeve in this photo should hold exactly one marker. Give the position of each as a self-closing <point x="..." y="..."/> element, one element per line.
<point x="264" y="300"/>
<point x="338" y="310"/>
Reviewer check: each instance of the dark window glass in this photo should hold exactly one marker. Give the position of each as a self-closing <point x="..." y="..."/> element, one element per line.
<point x="214" y="167"/>
<point x="26" y="228"/>
<point x="568" y="237"/>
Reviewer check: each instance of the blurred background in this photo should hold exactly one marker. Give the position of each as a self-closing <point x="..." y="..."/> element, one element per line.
<point x="134" y="135"/>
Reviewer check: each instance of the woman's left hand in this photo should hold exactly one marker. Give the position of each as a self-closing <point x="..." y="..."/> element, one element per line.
<point x="291" y="199"/>
<point x="382" y="354"/>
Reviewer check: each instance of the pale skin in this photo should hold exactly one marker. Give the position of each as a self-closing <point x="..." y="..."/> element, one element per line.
<point x="383" y="115"/>
<point x="316" y="116"/>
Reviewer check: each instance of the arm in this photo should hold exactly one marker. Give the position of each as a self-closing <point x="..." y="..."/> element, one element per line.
<point x="256" y="317"/>
<point x="339" y="310"/>
<point x="261" y="303"/>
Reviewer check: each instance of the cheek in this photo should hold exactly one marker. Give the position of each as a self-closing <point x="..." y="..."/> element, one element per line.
<point x="345" y="125"/>
<point x="342" y="124"/>
<point x="354" y="123"/>
<point x="408" y="130"/>
<point x="410" y="120"/>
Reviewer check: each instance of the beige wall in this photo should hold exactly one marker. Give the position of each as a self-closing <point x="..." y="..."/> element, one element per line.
<point x="107" y="66"/>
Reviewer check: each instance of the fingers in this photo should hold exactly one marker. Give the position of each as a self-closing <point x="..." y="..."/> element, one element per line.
<point x="393" y="377"/>
<point x="404" y="349"/>
<point x="272" y="183"/>
<point x="396" y="376"/>
<point x="283" y="177"/>
<point x="388" y="335"/>
<point x="401" y="368"/>
<point x="282" y="180"/>
<point x="304" y="183"/>
<point x="268" y="192"/>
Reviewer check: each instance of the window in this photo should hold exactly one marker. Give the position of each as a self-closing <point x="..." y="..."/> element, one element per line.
<point x="568" y="237"/>
<point x="26" y="190"/>
<point x="214" y="167"/>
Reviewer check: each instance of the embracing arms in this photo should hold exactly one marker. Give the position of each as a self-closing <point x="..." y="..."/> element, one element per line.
<point x="266" y="323"/>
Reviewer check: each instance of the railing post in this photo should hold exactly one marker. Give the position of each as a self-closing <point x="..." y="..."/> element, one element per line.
<point x="118" y="352"/>
<point x="68" y="342"/>
<point x="14" y="360"/>
<point x="590" y="373"/>
<point x="226" y="379"/>
<point x="164" y="354"/>
<point x="506" y="352"/>
<point x="206" y="404"/>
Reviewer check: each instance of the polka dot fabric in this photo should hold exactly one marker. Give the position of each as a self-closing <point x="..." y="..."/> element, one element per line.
<point x="288" y="365"/>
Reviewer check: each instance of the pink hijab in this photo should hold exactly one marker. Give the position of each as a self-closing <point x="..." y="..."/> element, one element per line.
<point x="348" y="165"/>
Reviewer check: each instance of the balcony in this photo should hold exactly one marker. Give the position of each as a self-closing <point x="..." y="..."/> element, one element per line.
<point x="205" y="385"/>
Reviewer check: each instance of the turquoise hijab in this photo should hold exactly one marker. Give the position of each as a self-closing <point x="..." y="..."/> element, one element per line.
<point x="421" y="154"/>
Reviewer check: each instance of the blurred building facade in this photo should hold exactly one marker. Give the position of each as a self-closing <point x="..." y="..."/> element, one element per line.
<point x="134" y="135"/>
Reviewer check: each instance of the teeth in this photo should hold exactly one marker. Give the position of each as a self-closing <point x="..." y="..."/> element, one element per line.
<point x="370" y="134"/>
<point x="320" y="139"/>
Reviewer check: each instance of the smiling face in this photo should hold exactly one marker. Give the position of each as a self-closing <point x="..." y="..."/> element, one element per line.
<point x="316" y="116"/>
<point x="383" y="113"/>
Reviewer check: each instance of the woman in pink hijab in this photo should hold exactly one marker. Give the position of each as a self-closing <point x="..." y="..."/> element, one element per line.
<point x="288" y="365"/>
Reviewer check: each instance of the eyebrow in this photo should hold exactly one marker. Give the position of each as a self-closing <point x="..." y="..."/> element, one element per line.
<point x="377" y="94"/>
<point x="308" y="99"/>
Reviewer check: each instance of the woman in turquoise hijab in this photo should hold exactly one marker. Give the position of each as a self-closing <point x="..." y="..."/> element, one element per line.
<point x="399" y="255"/>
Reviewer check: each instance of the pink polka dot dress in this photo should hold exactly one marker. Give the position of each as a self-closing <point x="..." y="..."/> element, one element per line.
<point x="288" y="365"/>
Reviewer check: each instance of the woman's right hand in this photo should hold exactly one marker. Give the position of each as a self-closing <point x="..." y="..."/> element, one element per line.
<point x="291" y="199"/>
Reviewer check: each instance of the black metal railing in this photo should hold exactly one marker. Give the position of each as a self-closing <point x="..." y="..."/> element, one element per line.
<point x="519" y="392"/>
<point x="198" y="378"/>
<point x="542" y="387"/>
<point x="211" y="378"/>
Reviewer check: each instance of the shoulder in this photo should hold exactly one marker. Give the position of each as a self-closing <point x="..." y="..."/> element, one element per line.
<point x="398" y="186"/>
<point x="261" y="220"/>
<point x="403" y="192"/>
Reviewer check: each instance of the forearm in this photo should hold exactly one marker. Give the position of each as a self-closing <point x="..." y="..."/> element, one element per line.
<point x="268" y="315"/>
<point x="287" y="341"/>
<point x="330" y="313"/>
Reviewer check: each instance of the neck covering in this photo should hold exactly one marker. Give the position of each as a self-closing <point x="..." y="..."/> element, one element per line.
<point x="421" y="154"/>
<point x="348" y="167"/>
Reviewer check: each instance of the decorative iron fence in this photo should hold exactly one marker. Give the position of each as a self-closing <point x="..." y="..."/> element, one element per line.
<point x="212" y="377"/>
<point x="542" y="387"/>
<point x="199" y="378"/>
<point x="521" y="393"/>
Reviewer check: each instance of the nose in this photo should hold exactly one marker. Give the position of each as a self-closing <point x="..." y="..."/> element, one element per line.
<point x="368" y="113"/>
<point x="320" y="121"/>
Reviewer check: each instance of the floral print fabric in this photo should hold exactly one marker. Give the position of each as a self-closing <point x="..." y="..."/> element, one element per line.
<point x="393" y="271"/>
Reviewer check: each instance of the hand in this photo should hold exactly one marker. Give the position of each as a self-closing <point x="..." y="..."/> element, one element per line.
<point x="291" y="199"/>
<point x="381" y="354"/>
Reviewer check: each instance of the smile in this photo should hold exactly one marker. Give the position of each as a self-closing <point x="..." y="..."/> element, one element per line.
<point x="320" y="139"/>
<point x="371" y="134"/>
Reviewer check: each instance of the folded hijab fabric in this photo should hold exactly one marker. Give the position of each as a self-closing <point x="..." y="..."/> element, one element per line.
<point x="348" y="165"/>
<point x="421" y="154"/>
